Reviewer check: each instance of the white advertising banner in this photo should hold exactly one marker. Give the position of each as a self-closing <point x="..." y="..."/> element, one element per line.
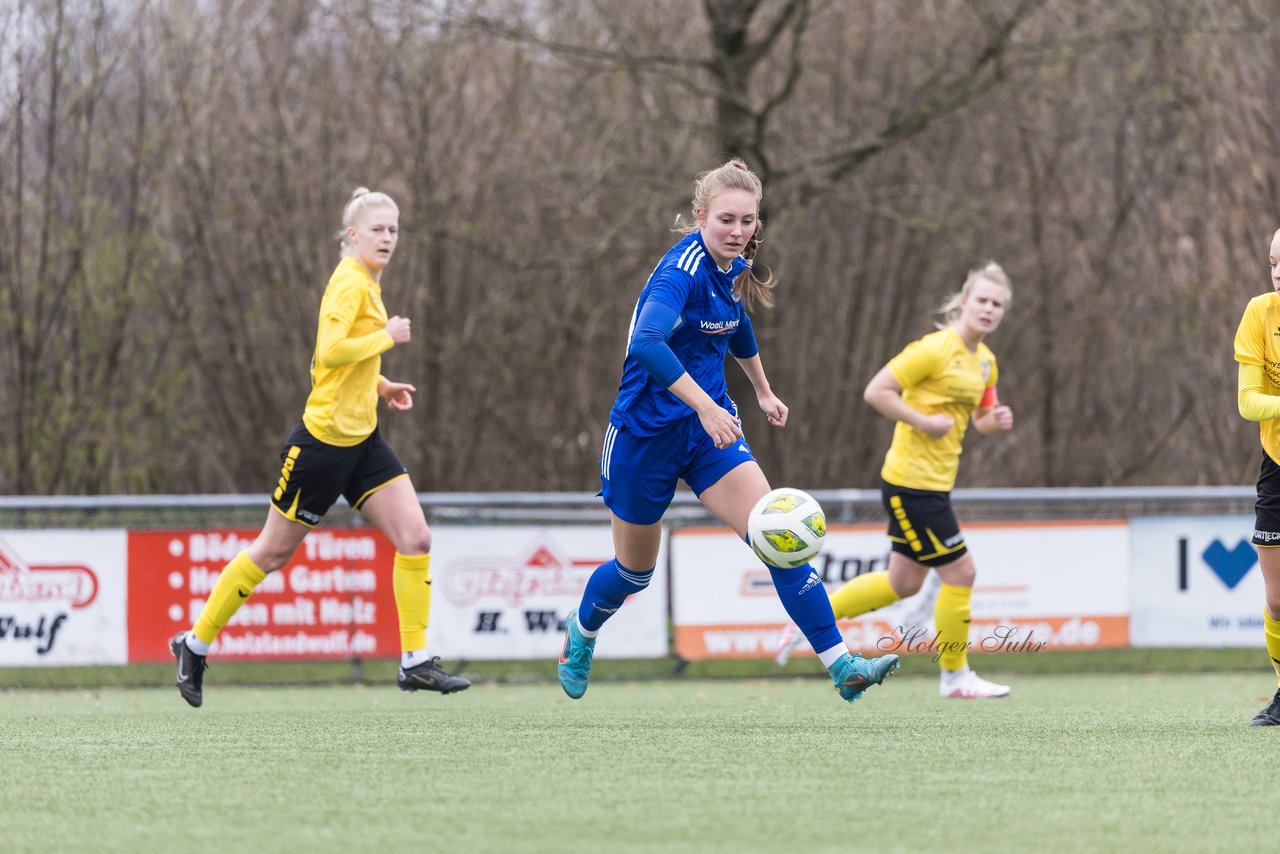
<point x="1040" y="585"/>
<point x="504" y="592"/>
<point x="1196" y="582"/>
<point x="62" y="598"/>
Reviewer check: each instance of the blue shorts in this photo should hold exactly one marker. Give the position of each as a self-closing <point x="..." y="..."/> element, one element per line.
<point x="639" y="473"/>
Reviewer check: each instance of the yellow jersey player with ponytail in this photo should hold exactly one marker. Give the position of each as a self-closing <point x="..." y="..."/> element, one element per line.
<point x="932" y="390"/>
<point x="1258" y="352"/>
<point x="337" y="450"/>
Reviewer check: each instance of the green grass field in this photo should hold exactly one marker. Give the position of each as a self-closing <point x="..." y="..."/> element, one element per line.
<point x="1069" y="762"/>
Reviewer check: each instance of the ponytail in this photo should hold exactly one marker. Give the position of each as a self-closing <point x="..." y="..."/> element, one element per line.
<point x="734" y="175"/>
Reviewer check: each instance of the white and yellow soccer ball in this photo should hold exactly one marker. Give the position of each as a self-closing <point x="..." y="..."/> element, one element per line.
<point x="786" y="528"/>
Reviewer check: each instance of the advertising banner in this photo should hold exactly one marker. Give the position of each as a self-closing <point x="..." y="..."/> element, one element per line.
<point x="110" y="596"/>
<point x="334" y="599"/>
<point x="1041" y="585"/>
<point x="504" y="592"/>
<point x="62" y="597"/>
<point x="1196" y="582"/>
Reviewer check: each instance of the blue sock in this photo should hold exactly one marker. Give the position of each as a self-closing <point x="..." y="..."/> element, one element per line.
<point x="807" y="604"/>
<point x="608" y="588"/>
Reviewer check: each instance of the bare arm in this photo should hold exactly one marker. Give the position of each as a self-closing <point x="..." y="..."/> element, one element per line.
<point x="775" y="410"/>
<point x="399" y="396"/>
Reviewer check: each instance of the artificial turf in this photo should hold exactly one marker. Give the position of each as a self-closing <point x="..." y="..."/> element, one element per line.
<point x="1069" y="762"/>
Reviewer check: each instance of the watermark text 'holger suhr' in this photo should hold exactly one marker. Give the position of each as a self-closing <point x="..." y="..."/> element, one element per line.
<point x="918" y="639"/>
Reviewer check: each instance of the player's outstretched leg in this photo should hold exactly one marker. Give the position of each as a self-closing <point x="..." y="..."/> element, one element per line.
<point x="853" y="674"/>
<point x="574" y="668"/>
<point x="1270" y="716"/>
<point x="191" y="669"/>
<point x="428" y="676"/>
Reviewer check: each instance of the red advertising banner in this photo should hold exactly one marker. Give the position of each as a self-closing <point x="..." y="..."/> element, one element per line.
<point x="333" y="600"/>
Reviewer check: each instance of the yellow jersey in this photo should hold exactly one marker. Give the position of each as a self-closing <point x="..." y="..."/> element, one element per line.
<point x="342" y="408"/>
<point x="1258" y="343"/>
<point x="938" y="374"/>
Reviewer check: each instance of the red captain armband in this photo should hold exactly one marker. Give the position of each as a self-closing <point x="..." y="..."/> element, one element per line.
<point x="989" y="398"/>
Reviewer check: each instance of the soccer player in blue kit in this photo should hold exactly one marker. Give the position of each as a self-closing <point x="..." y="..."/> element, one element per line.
<point x="673" y="418"/>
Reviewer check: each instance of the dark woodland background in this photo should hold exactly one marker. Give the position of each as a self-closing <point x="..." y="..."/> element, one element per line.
<point x="172" y="176"/>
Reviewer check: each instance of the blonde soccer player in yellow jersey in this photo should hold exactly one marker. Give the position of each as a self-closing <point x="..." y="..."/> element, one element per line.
<point x="932" y="389"/>
<point x="1258" y="352"/>
<point x="338" y="450"/>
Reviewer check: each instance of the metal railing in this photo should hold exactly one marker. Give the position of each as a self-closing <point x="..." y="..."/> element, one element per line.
<point x="841" y="505"/>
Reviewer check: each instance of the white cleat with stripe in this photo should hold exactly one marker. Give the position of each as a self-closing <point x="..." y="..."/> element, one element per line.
<point x="967" y="685"/>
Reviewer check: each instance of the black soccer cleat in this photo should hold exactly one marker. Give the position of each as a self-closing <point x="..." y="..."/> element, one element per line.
<point x="191" y="668"/>
<point x="428" y="677"/>
<point x="1270" y="716"/>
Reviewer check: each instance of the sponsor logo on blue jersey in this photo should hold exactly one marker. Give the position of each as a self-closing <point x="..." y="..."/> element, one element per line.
<point x="687" y="280"/>
<point x="719" y="327"/>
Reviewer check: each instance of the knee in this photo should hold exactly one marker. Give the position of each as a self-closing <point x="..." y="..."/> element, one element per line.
<point x="269" y="559"/>
<point x="960" y="573"/>
<point x="906" y="586"/>
<point x="415" y="542"/>
<point x="1273" y="604"/>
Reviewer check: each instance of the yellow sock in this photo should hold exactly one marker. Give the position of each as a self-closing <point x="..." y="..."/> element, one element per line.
<point x="951" y="615"/>
<point x="1272" y="627"/>
<point x="411" y="582"/>
<point x="862" y="594"/>
<point x="233" y="587"/>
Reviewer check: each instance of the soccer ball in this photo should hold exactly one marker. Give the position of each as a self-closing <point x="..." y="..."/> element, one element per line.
<point x="786" y="528"/>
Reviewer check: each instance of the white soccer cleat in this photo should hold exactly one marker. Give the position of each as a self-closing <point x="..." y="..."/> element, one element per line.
<point x="790" y="638"/>
<point x="967" y="685"/>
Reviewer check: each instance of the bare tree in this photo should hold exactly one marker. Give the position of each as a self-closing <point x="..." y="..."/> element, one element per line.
<point x="173" y="174"/>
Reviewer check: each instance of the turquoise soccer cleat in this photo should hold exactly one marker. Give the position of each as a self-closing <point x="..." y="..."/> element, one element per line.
<point x="853" y="674"/>
<point x="574" y="668"/>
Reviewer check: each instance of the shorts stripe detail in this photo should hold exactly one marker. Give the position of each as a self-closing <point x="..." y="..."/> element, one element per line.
<point x="285" y="470"/>
<point x="292" y="513"/>
<point x="939" y="550"/>
<point x="362" y="499"/>
<point x="610" y="434"/>
<point x="908" y="530"/>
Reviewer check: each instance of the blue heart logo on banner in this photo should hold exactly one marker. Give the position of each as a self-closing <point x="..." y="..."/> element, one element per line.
<point x="1230" y="566"/>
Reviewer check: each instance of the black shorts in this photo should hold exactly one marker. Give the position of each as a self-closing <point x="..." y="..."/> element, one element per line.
<point x="922" y="524"/>
<point x="1266" y="524"/>
<point x="313" y="474"/>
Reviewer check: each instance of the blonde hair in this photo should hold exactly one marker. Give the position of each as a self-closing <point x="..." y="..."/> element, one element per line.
<point x="734" y="175"/>
<point x="361" y="200"/>
<point x="991" y="272"/>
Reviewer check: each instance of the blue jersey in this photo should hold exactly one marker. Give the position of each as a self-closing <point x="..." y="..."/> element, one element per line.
<point x="688" y="281"/>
